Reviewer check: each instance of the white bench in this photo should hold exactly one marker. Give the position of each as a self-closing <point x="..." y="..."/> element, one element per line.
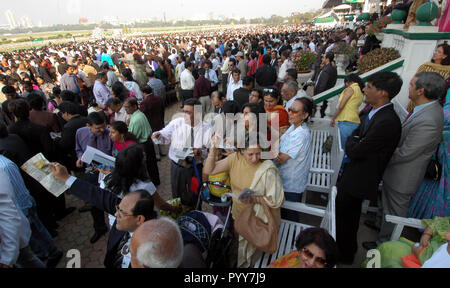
<point x="324" y="169"/>
<point x="400" y="223"/>
<point x="289" y="230"/>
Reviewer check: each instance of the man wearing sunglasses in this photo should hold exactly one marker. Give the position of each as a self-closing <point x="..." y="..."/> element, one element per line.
<point x="131" y="212"/>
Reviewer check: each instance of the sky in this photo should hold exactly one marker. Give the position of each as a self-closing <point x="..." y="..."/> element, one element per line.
<point x="69" y="11"/>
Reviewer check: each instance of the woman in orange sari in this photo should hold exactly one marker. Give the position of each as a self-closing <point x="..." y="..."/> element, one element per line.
<point x="274" y="109"/>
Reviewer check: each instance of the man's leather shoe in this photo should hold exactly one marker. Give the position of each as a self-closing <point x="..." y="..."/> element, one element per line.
<point x="65" y="213"/>
<point x="85" y="208"/>
<point x="52" y="262"/>
<point x="371" y="225"/>
<point x="370" y="245"/>
<point x="97" y="236"/>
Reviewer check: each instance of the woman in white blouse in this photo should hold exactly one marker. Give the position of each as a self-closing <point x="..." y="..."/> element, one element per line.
<point x="130" y="84"/>
<point x="294" y="158"/>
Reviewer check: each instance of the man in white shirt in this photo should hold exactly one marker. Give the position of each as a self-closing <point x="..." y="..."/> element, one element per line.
<point x="185" y="148"/>
<point x="173" y="58"/>
<point x="234" y="84"/>
<point x="312" y="46"/>
<point x="178" y="70"/>
<point x="287" y="63"/>
<point x="211" y="75"/>
<point x="225" y="69"/>
<point x="187" y="82"/>
<point x="290" y="92"/>
<point x="215" y="63"/>
<point x="116" y="106"/>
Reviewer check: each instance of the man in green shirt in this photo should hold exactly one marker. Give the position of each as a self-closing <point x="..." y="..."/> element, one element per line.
<point x="140" y="127"/>
<point x="139" y="124"/>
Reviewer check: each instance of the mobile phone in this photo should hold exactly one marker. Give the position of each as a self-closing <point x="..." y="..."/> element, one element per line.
<point x="246" y="193"/>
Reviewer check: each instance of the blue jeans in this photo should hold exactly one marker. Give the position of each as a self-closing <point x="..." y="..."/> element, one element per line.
<point x="345" y="130"/>
<point x="27" y="259"/>
<point x="41" y="242"/>
<point x="290" y="214"/>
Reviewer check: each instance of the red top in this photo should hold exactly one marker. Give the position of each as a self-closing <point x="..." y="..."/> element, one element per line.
<point x="252" y="67"/>
<point x="283" y="118"/>
<point x="260" y="62"/>
<point x="120" y="146"/>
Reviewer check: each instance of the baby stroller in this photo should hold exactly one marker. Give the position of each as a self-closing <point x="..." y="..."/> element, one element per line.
<point x="208" y="232"/>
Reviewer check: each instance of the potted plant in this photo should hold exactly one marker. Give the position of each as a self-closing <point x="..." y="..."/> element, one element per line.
<point x="303" y="59"/>
<point x="344" y="54"/>
<point x="378" y="26"/>
<point x="377" y="58"/>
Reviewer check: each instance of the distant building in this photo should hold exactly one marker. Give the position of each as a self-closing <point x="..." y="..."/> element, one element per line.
<point x="11" y="17"/>
<point x="25" y="22"/>
<point x="83" y="21"/>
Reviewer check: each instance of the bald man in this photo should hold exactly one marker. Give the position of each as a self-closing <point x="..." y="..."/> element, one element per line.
<point x="157" y="244"/>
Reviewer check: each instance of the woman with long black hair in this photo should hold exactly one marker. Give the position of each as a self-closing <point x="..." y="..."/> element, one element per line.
<point x="130" y="174"/>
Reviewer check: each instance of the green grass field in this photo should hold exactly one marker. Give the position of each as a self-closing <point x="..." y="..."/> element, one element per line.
<point x="37" y="40"/>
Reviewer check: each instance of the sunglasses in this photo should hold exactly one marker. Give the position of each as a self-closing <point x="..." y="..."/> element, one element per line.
<point x="319" y="261"/>
<point x="293" y="111"/>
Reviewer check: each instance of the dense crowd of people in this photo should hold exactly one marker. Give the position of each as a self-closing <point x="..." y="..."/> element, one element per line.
<point x="111" y="95"/>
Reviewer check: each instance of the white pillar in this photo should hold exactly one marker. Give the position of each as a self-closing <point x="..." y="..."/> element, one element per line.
<point x="366" y="8"/>
<point x="415" y="53"/>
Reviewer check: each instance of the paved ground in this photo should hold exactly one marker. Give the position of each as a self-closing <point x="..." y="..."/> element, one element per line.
<point x="76" y="229"/>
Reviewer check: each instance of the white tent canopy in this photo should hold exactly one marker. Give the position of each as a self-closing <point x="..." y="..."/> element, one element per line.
<point x="343" y="7"/>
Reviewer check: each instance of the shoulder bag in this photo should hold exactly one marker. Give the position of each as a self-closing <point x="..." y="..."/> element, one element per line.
<point x="261" y="235"/>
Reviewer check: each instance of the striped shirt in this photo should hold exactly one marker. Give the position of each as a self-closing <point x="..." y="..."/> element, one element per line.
<point x="23" y="197"/>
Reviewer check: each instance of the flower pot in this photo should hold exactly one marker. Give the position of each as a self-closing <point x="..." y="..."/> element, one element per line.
<point x="342" y="62"/>
<point x="303" y="76"/>
<point x="380" y="36"/>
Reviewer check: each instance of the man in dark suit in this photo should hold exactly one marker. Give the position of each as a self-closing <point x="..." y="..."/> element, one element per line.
<point x="266" y="75"/>
<point x="66" y="144"/>
<point x="31" y="139"/>
<point x="241" y="95"/>
<point x="132" y="211"/>
<point x="217" y="100"/>
<point x="36" y="137"/>
<point x="421" y="135"/>
<point x="274" y="58"/>
<point x="369" y="148"/>
<point x="326" y="79"/>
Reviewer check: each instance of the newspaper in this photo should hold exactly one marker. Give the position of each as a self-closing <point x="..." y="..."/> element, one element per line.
<point x="96" y="157"/>
<point x="38" y="168"/>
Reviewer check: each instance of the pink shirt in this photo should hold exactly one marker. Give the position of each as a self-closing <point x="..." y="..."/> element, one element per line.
<point x="120" y="146"/>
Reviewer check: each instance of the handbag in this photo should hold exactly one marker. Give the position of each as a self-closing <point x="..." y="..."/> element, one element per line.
<point x="261" y="235"/>
<point x="434" y="169"/>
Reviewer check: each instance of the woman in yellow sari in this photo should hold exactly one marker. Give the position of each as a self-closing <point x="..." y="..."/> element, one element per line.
<point x="246" y="169"/>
